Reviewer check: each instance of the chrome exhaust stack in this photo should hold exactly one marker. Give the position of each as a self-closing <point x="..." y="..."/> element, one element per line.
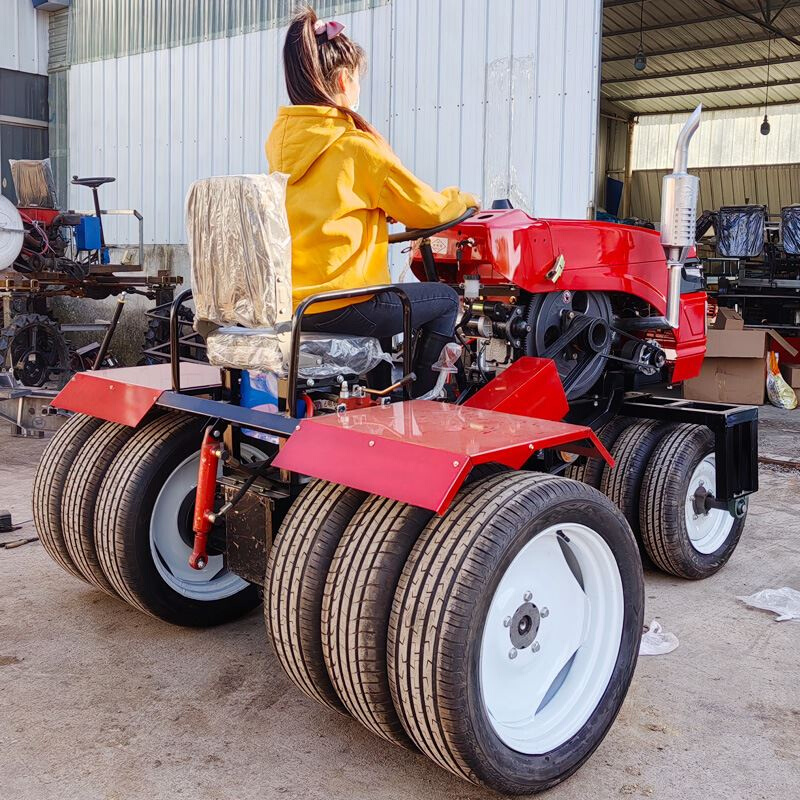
<point x="679" y="195"/>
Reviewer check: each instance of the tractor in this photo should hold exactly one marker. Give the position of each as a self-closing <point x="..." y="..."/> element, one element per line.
<point x="460" y="573"/>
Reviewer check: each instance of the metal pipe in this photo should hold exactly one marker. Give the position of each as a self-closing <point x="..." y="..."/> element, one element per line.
<point x="174" y="338"/>
<point x="627" y="190"/>
<point x="681" y="163"/>
<point x="104" y="345"/>
<point x="678" y="215"/>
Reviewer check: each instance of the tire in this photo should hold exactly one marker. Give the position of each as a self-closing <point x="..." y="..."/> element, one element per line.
<point x="682" y="459"/>
<point x="49" y="482"/>
<point x="297" y="568"/>
<point x="590" y="470"/>
<point x="79" y="499"/>
<point x="356" y="606"/>
<point x="142" y="526"/>
<point x="622" y="484"/>
<point x="453" y="628"/>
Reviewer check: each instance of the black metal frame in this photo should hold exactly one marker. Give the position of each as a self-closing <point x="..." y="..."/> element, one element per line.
<point x="348" y="294"/>
<point x="735" y="430"/>
<point x="294" y="347"/>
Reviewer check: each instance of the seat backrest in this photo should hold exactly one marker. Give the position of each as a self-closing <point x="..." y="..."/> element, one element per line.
<point x="790" y="229"/>
<point x="33" y="183"/>
<point x="740" y="231"/>
<point x="240" y="250"/>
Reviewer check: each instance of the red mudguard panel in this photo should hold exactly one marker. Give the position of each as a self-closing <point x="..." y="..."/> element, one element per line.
<point x="126" y="394"/>
<point x="530" y="386"/>
<point x="420" y="452"/>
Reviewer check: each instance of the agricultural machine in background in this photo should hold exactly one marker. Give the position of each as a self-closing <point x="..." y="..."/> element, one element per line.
<point x="461" y="574"/>
<point x="752" y="262"/>
<point x="46" y="253"/>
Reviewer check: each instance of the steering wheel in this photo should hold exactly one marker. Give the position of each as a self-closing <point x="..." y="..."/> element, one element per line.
<point x="411" y="234"/>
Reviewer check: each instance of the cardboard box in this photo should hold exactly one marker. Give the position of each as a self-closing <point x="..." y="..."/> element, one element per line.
<point x="728" y="319"/>
<point x="791" y="374"/>
<point x="735" y="366"/>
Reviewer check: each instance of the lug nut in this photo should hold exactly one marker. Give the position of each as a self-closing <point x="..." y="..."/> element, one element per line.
<point x="527" y="596"/>
<point x="507" y="622"/>
<point x="535" y="647"/>
<point x="512" y="653"/>
<point x="544" y="612"/>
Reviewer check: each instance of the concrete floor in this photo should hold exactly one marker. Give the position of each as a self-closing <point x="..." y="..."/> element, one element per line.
<point x="99" y="701"/>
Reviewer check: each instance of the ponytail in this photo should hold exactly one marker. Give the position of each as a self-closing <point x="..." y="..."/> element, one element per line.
<point x="312" y="64"/>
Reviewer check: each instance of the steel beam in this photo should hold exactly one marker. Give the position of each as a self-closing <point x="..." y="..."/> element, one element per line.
<point x="739" y="87"/>
<point x="700" y="47"/>
<point x="682" y="23"/>
<point x="679" y="73"/>
<point x="762" y="22"/>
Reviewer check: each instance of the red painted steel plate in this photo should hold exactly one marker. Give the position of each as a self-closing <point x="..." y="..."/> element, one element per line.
<point x="126" y="394"/>
<point x="420" y="452"/>
<point x="530" y="387"/>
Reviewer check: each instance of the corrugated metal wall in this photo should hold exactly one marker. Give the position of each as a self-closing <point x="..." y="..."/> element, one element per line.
<point x="725" y="138"/>
<point x="23" y="37"/>
<point x="498" y="96"/>
<point x="773" y="185"/>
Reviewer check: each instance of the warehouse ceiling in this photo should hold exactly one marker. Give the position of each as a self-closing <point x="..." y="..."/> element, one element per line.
<point x="713" y="52"/>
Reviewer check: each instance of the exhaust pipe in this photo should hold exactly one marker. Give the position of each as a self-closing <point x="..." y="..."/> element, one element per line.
<point x="678" y="212"/>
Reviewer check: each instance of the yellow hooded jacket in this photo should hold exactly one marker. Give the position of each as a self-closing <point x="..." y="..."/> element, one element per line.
<point x="343" y="183"/>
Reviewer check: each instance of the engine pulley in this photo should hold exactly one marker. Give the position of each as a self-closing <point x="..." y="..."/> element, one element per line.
<point x="574" y="329"/>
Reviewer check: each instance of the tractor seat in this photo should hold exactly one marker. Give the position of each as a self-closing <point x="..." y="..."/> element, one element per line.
<point x="323" y="356"/>
<point x="92" y="183"/>
<point x="240" y="250"/>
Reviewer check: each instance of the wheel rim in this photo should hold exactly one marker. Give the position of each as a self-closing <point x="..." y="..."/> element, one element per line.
<point x="171" y="553"/>
<point x="709" y="531"/>
<point x="551" y="638"/>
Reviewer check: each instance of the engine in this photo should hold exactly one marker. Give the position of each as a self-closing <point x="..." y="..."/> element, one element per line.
<point x="591" y="296"/>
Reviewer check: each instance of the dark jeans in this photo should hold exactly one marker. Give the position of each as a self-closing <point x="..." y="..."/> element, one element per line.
<point x="434" y="308"/>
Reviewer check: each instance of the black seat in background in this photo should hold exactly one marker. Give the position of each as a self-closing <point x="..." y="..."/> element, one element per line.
<point x="740" y="232"/>
<point x="92" y="183"/>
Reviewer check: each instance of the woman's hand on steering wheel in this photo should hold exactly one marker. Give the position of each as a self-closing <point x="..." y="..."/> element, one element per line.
<point x="412" y="234"/>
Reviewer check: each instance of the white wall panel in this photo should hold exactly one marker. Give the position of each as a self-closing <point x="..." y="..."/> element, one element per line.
<point x="23" y="37"/>
<point x="497" y="96"/>
<point x="724" y="139"/>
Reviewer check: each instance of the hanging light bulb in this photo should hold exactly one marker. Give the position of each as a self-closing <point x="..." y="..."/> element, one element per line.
<point x="640" y="59"/>
<point x="765" y="127"/>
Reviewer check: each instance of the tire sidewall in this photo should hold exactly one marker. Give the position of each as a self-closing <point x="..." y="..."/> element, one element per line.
<point x="501" y="760"/>
<point x="700" y="565"/>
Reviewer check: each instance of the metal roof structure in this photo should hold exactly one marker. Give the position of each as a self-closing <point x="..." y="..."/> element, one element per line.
<point x="713" y="52"/>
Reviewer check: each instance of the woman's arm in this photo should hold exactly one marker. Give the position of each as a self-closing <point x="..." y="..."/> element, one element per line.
<point x="409" y="200"/>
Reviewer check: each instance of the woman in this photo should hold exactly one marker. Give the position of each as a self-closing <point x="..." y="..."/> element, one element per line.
<point x="344" y="181"/>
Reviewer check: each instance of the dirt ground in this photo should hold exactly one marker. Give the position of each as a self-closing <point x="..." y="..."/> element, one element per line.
<point x="99" y="701"/>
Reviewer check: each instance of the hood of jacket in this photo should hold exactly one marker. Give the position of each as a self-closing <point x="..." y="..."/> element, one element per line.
<point x="301" y="135"/>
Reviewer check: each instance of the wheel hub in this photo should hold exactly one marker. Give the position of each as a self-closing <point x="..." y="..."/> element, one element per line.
<point x="540" y="682"/>
<point x="524" y="625"/>
<point x="708" y="527"/>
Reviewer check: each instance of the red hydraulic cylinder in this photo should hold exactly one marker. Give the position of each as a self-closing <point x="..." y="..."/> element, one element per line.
<point x="204" y="499"/>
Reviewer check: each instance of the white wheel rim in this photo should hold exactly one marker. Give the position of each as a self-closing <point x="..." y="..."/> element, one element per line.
<point x="537" y="698"/>
<point x="707" y="532"/>
<point x="171" y="554"/>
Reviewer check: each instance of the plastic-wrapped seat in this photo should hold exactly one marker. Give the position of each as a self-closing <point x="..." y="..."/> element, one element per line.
<point x="240" y="252"/>
<point x="790" y="229"/>
<point x="740" y="231"/>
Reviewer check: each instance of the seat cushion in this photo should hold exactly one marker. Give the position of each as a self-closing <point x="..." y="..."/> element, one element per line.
<point x="322" y="355"/>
